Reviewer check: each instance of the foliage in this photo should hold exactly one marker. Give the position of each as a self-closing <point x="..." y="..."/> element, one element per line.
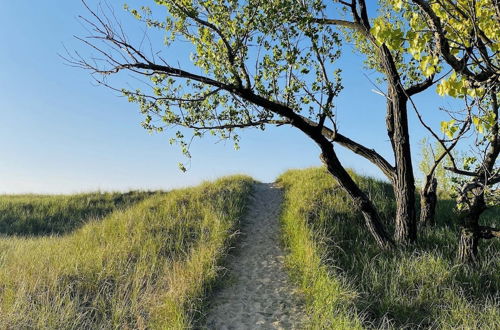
<point x="347" y="281"/>
<point x="456" y="38"/>
<point x="257" y="63"/>
<point x="270" y="47"/>
<point x="148" y="266"/>
<point x="436" y="34"/>
<point x="55" y="215"/>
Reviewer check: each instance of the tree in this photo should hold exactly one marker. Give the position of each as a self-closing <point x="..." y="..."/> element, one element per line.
<point x="272" y="63"/>
<point x="383" y="44"/>
<point x="477" y="178"/>
<point x="432" y="167"/>
<point x="462" y="37"/>
<point x="466" y="35"/>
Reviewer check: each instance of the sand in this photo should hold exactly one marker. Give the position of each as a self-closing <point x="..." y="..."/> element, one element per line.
<point x="257" y="293"/>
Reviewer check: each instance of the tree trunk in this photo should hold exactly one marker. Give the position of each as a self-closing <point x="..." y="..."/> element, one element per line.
<point x="403" y="182"/>
<point x="361" y="201"/>
<point x="406" y="226"/>
<point x="467" y="245"/>
<point x="328" y="156"/>
<point x="428" y="202"/>
<point x="470" y="233"/>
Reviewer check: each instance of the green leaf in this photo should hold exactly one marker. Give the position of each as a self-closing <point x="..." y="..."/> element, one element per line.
<point x="449" y="128"/>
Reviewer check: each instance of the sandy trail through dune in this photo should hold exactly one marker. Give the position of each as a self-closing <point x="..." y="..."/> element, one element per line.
<point x="257" y="293"/>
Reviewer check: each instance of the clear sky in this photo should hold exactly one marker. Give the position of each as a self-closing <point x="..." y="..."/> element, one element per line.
<point x="59" y="133"/>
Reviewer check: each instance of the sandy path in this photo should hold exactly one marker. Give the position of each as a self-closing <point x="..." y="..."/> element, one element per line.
<point x="257" y="294"/>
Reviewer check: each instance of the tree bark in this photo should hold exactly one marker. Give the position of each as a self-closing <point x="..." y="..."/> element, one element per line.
<point x="404" y="182"/>
<point x="360" y="200"/>
<point x="467" y="245"/>
<point x="428" y="202"/>
<point x="469" y="241"/>
<point x="397" y="126"/>
<point x="470" y="233"/>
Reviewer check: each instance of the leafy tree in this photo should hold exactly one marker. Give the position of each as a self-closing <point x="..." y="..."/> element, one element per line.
<point x="459" y="39"/>
<point x="260" y="63"/>
<point x="466" y="35"/>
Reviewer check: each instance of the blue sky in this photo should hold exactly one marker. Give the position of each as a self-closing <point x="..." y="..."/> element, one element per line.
<point x="59" y="133"/>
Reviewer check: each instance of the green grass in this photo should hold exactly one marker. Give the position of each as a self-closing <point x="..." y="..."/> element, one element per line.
<point x="349" y="283"/>
<point x="145" y="267"/>
<point x="30" y="215"/>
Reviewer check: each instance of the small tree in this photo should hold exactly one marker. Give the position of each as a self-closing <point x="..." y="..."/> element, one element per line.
<point x="478" y="179"/>
<point x="466" y="35"/>
<point x="437" y="181"/>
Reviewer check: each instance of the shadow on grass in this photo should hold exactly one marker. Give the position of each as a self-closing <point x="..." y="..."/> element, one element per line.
<point x="40" y="215"/>
<point x="421" y="286"/>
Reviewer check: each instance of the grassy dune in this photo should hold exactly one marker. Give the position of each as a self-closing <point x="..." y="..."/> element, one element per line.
<point x="147" y="266"/>
<point x="349" y="283"/>
<point x="29" y="215"/>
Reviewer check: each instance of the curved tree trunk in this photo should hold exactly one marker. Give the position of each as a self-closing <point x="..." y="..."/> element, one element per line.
<point x="361" y="201"/>
<point x="428" y="202"/>
<point x="329" y="158"/>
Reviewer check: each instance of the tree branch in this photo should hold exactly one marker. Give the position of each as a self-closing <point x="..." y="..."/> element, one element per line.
<point x="230" y="52"/>
<point x="420" y="87"/>
<point x="241" y="125"/>
<point x="369" y="154"/>
<point x="339" y="22"/>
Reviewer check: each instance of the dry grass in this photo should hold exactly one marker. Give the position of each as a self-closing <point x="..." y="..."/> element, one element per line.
<point x="148" y="266"/>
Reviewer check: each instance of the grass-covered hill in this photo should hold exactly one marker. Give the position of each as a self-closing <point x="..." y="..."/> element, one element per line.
<point x="148" y="260"/>
<point x="143" y="267"/>
<point x="349" y="283"/>
<point x="29" y="215"/>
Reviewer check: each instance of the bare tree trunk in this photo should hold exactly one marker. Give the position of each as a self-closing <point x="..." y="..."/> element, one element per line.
<point x="470" y="230"/>
<point x="406" y="226"/>
<point x="361" y="201"/>
<point x="428" y="202"/>
<point x="467" y="245"/>
<point x="403" y="182"/>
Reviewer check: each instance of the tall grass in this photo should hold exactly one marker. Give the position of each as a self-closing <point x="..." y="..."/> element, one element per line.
<point x="29" y="215"/>
<point x="350" y="283"/>
<point x="147" y="266"/>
